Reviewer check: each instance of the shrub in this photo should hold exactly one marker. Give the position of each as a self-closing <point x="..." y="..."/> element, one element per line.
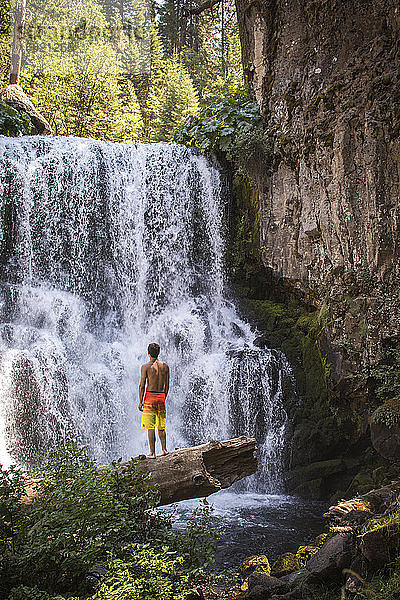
<point x="13" y="123"/>
<point x="81" y="515"/>
<point x="233" y="127"/>
<point x="144" y="575"/>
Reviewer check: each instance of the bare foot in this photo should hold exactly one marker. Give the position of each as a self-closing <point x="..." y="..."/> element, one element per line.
<point x="151" y="456"/>
<point x="165" y="452"/>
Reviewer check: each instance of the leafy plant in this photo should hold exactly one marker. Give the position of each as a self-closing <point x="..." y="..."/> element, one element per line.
<point x="196" y="543"/>
<point x="233" y="126"/>
<point x="13" y="123"/>
<point x="82" y="514"/>
<point x="144" y="575"/>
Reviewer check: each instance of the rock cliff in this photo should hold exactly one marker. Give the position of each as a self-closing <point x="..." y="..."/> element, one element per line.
<point x="326" y="75"/>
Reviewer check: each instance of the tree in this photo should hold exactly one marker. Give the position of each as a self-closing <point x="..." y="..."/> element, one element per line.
<point x="177" y="102"/>
<point x="5" y="40"/>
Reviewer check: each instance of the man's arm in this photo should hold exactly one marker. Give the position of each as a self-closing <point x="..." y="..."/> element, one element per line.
<point x="166" y="387"/>
<point x="142" y="385"/>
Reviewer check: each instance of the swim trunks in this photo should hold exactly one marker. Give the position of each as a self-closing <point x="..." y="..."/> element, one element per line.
<point x="154" y="411"/>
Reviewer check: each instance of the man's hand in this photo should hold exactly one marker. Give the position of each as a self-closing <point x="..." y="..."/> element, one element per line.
<point x="141" y="406"/>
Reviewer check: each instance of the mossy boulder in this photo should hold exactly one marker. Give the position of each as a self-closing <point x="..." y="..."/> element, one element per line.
<point x="285" y="564"/>
<point x="310" y="481"/>
<point x="385" y="430"/>
<point x="362" y="482"/>
<point x="304" y="553"/>
<point x="255" y="564"/>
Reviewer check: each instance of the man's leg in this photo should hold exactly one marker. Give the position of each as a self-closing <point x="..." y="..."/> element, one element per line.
<point x="152" y="443"/>
<point x="163" y="439"/>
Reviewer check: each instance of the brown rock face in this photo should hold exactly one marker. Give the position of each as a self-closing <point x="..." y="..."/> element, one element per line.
<point x="326" y="77"/>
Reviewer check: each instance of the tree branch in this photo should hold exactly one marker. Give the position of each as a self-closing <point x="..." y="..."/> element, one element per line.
<point x="197" y="10"/>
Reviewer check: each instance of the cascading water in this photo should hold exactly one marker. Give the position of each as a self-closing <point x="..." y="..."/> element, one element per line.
<point x="105" y="248"/>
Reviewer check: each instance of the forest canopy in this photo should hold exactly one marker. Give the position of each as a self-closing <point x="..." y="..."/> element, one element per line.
<point x="126" y="70"/>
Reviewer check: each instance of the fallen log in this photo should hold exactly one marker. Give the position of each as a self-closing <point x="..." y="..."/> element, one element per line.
<point x="190" y="472"/>
<point x="201" y="470"/>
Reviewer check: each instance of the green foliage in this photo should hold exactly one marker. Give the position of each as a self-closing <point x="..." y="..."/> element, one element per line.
<point x="144" y="575"/>
<point x="12" y="123"/>
<point x="83" y="513"/>
<point x="229" y="126"/>
<point x="112" y="78"/>
<point x="208" y="46"/>
<point x="5" y="41"/>
<point x="383" y="586"/>
<point x="196" y="544"/>
<point x="23" y="592"/>
<point x="388" y="413"/>
<point x="13" y="517"/>
<point x="175" y="99"/>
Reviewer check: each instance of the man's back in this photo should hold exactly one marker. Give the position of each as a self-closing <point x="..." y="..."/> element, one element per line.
<point x="157" y="376"/>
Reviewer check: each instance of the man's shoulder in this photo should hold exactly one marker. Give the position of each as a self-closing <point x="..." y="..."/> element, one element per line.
<point x="146" y="365"/>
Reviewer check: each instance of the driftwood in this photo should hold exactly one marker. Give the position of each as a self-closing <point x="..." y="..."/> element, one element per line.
<point x="191" y="472"/>
<point x="202" y="470"/>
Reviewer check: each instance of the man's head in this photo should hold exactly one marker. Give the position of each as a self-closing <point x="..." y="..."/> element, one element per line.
<point x="153" y="350"/>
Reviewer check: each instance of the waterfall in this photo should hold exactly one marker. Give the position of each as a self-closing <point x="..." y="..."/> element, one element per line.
<point x="104" y="249"/>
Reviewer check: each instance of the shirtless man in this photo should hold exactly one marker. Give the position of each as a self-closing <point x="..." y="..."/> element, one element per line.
<point x="152" y="403"/>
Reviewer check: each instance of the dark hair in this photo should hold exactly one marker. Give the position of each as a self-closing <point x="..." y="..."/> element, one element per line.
<point x="153" y="350"/>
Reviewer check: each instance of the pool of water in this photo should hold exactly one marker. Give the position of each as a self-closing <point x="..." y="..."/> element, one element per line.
<point x="256" y="523"/>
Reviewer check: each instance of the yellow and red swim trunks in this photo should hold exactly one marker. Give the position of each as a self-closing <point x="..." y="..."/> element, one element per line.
<point x="154" y="411"/>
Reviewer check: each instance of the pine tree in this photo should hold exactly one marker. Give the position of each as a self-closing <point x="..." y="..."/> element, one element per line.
<point x="180" y="100"/>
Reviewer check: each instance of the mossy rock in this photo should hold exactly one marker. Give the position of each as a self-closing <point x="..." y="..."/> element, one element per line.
<point x="362" y="482"/>
<point x="255" y="564"/>
<point x="304" y="553"/>
<point x="388" y="414"/>
<point x="285" y="564"/>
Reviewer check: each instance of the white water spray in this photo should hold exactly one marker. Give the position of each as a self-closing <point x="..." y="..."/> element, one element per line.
<point x="106" y="248"/>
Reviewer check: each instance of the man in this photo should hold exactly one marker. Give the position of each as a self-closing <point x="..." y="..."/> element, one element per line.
<point x="152" y="403"/>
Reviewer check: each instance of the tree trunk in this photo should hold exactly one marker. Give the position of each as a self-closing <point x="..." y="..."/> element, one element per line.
<point x="191" y="472"/>
<point x="202" y="470"/>
<point x="16" y="50"/>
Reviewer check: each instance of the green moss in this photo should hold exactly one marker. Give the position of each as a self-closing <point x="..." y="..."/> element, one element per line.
<point x="285" y="564"/>
<point x="389" y="413"/>
<point x="255" y="564"/>
<point x="304" y="553"/>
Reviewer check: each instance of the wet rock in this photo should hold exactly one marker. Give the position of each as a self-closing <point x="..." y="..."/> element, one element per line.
<point x="332" y="558"/>
<point x="379" y="546"/>
<point x="300" y="593"/>
<point x="385" y="430"/>
<point x="295" y="578"/>
<point x="324" y="97"/>
<point x="310" y="481"/>
<point x="262" y="585"/>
